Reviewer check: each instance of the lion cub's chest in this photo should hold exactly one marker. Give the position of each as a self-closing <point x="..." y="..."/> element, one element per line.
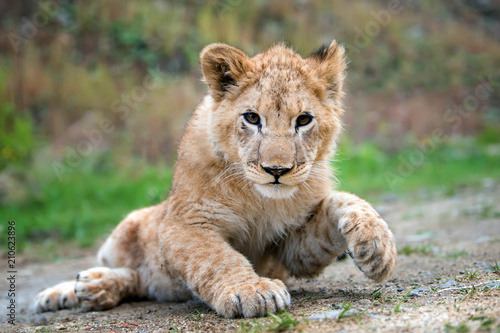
<point x="261" y="227"/>
<point x="252" y="226"/>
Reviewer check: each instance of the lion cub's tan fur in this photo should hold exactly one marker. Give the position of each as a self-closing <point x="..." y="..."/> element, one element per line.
<point x="251" y="201"/>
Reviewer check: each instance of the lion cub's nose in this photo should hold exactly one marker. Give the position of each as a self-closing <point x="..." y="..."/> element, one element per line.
<point x="276" y="171"/>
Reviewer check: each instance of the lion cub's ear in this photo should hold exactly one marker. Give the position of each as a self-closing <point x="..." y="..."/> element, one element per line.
<point x="224" y="68"/>
<point x="328" y="65"/>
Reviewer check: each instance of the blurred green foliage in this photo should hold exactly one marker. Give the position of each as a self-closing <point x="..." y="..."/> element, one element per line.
<point x="370" y="171"/>
<point x="16" y="137"/>
<point x="86" y="206"/>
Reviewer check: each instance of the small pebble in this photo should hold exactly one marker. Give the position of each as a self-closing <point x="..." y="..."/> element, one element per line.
<point x="364" y="302"/>
<point x="448" y="284"/>
<point x="418" y="292"/>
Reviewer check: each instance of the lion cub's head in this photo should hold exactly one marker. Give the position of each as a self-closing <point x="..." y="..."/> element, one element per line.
<point x="275" y="115"/>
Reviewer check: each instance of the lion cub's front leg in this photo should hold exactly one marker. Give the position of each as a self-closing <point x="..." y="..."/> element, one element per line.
<point x="223" y="277"/>
<point x="341" y="222"/>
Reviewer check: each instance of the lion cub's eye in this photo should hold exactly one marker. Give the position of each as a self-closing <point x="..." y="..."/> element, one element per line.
<point x="252" y="117"/>
<point x="304" y="119"/>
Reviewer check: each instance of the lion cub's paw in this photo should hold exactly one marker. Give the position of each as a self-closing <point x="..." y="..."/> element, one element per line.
<point x="97" y="289"/>
<point x="371" y="244"/>
<point x="61" y="296"/>
<point x="253" y="300"/>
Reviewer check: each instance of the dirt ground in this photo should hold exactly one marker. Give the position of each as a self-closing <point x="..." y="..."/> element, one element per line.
<point x="446" y="281"/>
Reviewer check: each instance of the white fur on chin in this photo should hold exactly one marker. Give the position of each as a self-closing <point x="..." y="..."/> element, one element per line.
<point x="275" y="191"/>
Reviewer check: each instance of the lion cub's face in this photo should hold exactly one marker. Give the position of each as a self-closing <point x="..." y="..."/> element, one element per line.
<point x="275" y="116"/>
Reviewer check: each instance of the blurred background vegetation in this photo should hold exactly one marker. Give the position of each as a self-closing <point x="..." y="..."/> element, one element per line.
<point x="95" y="94"/>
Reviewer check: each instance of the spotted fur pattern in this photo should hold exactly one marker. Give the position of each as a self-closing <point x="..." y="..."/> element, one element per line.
<point x="252" y="200"/>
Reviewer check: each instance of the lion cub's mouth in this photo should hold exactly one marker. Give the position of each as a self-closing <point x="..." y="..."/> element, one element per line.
<point x="276" y="181"/>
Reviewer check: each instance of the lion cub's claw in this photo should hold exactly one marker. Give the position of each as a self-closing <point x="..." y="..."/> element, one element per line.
<point x="253" y="300"/>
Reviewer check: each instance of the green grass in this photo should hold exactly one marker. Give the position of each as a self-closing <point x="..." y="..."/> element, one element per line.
<point x="345" y="307"/>
<point x="462" y="328"/>
<point x="470" y="275"/>
<point x="368" y="171"/>
<point x="377" y="293"/>
<point x="495" y="268"/>
<point x="458" y="254"/>
<point x="403" y="299"/>
<point x="280" y="322"/>
<point x="86" y="205"/>
<point x="420" y="249"/>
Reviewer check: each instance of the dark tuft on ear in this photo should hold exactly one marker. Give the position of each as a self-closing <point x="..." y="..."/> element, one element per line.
<point x="320" y="53"/>
<point x="328" y="65"/>
<point x="224" y="69"/>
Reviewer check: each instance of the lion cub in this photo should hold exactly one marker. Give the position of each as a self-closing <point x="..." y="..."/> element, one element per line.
<point x="251" y="201"/>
